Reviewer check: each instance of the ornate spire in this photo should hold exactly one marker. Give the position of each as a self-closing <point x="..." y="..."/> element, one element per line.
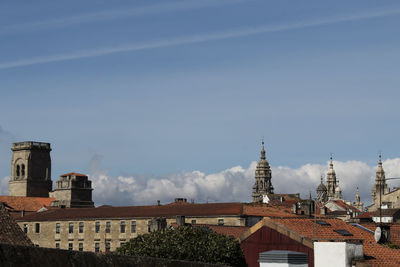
<point x="263" y="150"/>
<point x="262" y="185"/>
<point x="331" y="180"/>
<point x="358" y="199"/>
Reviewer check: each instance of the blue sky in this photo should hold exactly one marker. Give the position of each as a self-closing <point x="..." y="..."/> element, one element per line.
<point x="160" y="87"/>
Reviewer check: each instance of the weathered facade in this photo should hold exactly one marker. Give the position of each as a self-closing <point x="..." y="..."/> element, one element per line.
<point x="262" y="185"/>
<point x="73" y="190"/>
<point x="106" y="228"/>
<point x="30" y="170"/>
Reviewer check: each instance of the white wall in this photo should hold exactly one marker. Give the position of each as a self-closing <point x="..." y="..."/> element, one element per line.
<point x="336" y="254"/>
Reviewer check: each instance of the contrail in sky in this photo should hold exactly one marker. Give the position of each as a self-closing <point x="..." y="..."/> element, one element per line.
<point x="191" y="39"/>
<point x="114" y="14"/>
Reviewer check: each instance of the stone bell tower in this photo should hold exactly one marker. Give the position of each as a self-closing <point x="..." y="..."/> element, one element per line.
<point x="262" y="185"/>
<point x="30" y="169"/>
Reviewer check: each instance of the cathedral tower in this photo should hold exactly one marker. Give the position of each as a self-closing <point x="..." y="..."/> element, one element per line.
<point x="30" y="170"/>
<point x="262" y="185"/>
<point x="380" y="186"/>
<point x="331" y="181"/>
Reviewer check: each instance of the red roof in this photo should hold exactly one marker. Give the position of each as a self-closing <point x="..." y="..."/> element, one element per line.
<point x="378" y="255"/>
<point x="268" y="211"/>
<point x="10" y="232"/>
<point x="26" y="203"/>
<point x="74" y="174"/>
<point x="168" y="211"/>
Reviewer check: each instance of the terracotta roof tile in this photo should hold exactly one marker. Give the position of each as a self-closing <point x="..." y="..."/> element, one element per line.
<point x="10" y="232"/>
<point x="169" y="211"/>
<point x="26" y="203"/>
<point x="268" y="211"/>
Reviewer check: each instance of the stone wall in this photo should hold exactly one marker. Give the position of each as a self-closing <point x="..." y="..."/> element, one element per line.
<point x="47" y="236"/>
<point x="12" y="255"/>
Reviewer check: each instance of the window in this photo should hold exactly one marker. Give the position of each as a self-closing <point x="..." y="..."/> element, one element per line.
<point x="80" y="246"/>
<point x="23" y="170"/>
<point x="108" y="227"/>
<point x="97" y="247"/>
<point x="18" y="170"/>
<point x="70" y="246"/>
<point x="133" y="227"/>
<point x="37" y="227"/>
<point x="70" y="227"/>
<point x="122" y="226"/>
<point x="321" y="222"/>
<point x="108" y="246"/>
<point x="220" y="221"/>
<point x="149" y="226"/>
<point x="343" y="232"/>
<point x="25" y="228"/>
<point x="121" y="244"/>
<point x="193" y="221"/>
<point x="81" y="225"/>
<point x="57" y="228"/>
<point x="97" y="227"/>
<point x="57" y="245"/>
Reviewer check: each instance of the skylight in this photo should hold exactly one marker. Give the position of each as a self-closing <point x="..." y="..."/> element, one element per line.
<point x="343" y="232"/>
<point x="321" y="222"/>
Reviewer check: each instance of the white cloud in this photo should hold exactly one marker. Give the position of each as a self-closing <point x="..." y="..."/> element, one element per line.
<point x="234" y="184"/>
<point x="191" y="39"/>
<point x="231" y="185"/>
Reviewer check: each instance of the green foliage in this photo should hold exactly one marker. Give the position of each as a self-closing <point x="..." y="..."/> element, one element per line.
<point x="392" y="245"/>
<point x="187" y="243"/>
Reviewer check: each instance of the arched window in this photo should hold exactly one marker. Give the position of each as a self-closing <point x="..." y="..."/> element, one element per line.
<point x="17" y="172"/>
<point x="23" y="170"/>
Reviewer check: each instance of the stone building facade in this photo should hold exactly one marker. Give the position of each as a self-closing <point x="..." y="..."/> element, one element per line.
<point x="31" y="177"/>
<point x="30" y="169"/>
<point x="262" y="185"/>
<point x="106" y="228"/>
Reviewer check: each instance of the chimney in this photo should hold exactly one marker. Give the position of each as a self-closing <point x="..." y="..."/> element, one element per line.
<point x="294" y="208"/>
<point x="158" y="203"/>
<point x="180" y="220"/>
<point x="180" y="200"/>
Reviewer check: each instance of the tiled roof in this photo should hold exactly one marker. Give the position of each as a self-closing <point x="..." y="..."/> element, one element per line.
<point x="365" y="215"/>
<point x="378" y="255"/>
<point x="168" y="211"/>
<point x="386" y="212"/>
<point x="10" y="232"/>
<point x="73" y="173"/>
<point x="267" y="211"/>
<point x="26" y="203"/>
<point x="344" y="205"/>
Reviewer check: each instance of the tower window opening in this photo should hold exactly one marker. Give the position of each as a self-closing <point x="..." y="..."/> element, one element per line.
<point x="23" y="170"/>
<point x="17" y="172"/>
